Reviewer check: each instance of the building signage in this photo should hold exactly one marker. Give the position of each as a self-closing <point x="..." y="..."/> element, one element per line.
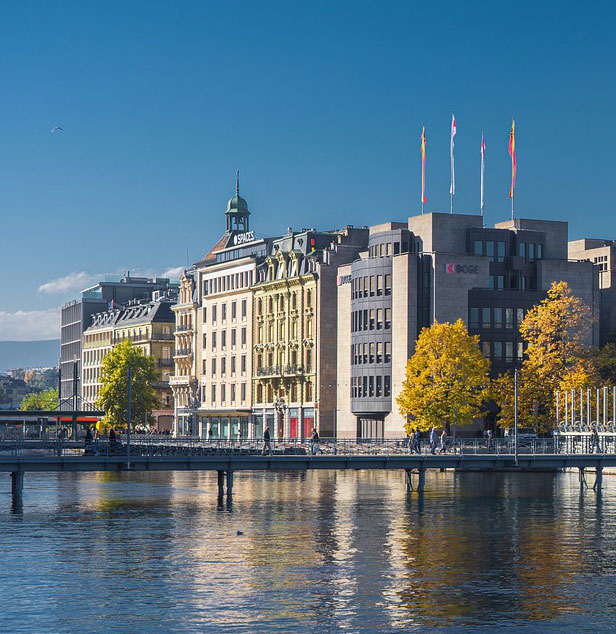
<point x="473" y="269"/>
<point x="243" y="238"/>
<point x="344" y="279"/>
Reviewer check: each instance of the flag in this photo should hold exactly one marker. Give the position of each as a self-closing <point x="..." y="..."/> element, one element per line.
<point x="512" y="155"/>
<point x="452" y="188"/>
<point x="483" y="153"/>
<point x="423" y="165"/>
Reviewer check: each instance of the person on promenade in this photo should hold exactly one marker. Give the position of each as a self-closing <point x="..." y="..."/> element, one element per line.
<point x="210" y="433"/>
<point x="411" y="441"/>
<point x="314" y="441"/>
<point x="266" y="441"/>
<point x="489" y="440"/>
<point x="433" y="440"/>
<point x="417" y="440"/>
<point x="594" y="440"/>
<point x="443" y="447"/>
<point x="88" y="441"/>
<point x="112" y="439"/>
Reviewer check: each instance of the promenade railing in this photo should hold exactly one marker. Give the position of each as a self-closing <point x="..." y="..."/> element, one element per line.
<point x="162" y="445"/>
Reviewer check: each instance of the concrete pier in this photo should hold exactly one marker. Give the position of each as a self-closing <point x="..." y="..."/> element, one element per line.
<point x="422" y="480"/>
<point x="221" y="485"/>
<point x="17" y="487"/>
<point x="229" y="485"/>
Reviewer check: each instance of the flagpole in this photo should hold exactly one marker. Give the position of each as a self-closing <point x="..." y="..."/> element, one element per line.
<point x="512" y="195"/>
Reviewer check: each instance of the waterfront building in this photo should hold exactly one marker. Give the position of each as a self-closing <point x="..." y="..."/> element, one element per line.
<point x="295" y="320"/>
<point x="149" y="324"/>
<point x="441" y="267"/>
<point x="76" y="317"/>
<point x="214" y="326"/>
<point x="602" y="253"/>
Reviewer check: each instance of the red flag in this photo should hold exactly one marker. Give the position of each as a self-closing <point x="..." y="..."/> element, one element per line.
<point x="423" y="165"/>
<point x="512" y="155"/>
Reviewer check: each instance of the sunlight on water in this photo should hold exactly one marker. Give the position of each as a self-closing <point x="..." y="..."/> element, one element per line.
<point x="320" y="551"/>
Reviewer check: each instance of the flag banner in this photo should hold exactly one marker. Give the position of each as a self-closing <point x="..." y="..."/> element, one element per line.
<point x="423" y="165"/>
<point x="452" y="188"/>
<point x="512" y="155"/>
<point x="483" y="153"/>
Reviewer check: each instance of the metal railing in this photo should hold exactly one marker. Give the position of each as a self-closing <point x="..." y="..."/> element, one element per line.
<point x="161" y="445"/>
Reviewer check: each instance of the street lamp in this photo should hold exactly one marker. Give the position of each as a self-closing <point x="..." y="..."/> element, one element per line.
<point x="280" y="406"/>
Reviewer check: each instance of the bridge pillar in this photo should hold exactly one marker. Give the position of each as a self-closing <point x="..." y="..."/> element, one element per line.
<point x="422" y="480"/>
<point x="582" y="476"/>
<point x="409" y="480"/>
<point x="221" y="485"/>
<point x="17" y="487"/>
<point x="229" y="485"/>
<point x="598" y="480"/>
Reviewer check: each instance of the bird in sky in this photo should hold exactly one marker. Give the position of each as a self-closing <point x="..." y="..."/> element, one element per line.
<point x="56" y="128"/>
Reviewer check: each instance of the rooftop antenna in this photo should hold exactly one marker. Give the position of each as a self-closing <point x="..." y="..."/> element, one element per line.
<point x="187" y="258"/>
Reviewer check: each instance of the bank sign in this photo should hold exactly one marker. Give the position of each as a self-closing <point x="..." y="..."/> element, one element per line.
<point x="472" y="269"/>
<point x="243" y="238"/>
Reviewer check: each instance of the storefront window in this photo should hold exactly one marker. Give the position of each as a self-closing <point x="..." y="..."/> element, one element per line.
<point x="308" y="421"/>
<point x="235" y="427"/>
<point x="215" y="429"/>
<point x="224" y="427"/>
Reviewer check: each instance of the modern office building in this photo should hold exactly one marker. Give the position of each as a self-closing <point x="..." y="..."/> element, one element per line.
<point x="149" y="324"/>
<point x="295" y="321"/>
<point x="602" y="253"/>
<point x="441" y="267"/>
<point x="214" y="329"/>
<point x="76" y="317"/>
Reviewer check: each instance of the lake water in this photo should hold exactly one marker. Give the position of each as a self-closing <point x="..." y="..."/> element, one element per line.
<point x="320" y="552"/>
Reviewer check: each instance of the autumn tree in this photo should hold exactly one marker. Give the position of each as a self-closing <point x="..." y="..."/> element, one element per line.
<point x="446" y="378"/>
<point x="46" y="400"/>
<point x="556" y="332"/>
<point x="114" y="377"/>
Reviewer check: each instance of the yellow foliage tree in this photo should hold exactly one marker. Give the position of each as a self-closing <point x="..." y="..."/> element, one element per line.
<point x="446" y="378"/>
<point x="556" y="332"/>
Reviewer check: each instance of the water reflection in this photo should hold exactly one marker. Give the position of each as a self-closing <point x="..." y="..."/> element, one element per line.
<point x="331" y="551"/>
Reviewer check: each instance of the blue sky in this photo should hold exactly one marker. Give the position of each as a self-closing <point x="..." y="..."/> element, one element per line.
<point x="319" y="104"/>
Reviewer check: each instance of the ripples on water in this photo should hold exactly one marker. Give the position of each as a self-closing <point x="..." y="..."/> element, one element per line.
<point x="320" y="552"/>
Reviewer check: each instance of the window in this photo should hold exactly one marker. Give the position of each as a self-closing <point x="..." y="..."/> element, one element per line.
<point x="386" y="386"/>
<point x="223" y="340"/>
<point x="485" y="349"/>
<point x="387" y="318"/>
<point x="379" y="386"/>
<point x="232" y="366"/>
<point x="508" y="317"/>
<point x="243" y="392"/>
<point x="223" y="366"/>
<point x="243" y="364"/>
<point x="485" y="318"/>
<point x="531" y="251"/>
<point x="214" y="311"/>
<point x="388" y="284"/>
<point x="366" y="284"/>
<point x="204" y="315"/>
<point x="214" y="341"/>
<point x="490" y="250"/>
<point x="498" y="350"/>
<point x="478" y="247"/>
<point x="379" y="318"/>
<point x="500" y="282"/>
<point x="498" y="318"/>
<point x="379" y="352"/>
<point x="520" y="350"/>
<point x="204" y="341"/>
<point x="522" y="249"/>
<point x="365" y="352"/>
<point x="540" y="252"/>
<point x="500" y="251"/>
<point x="370" y="386"/>
<point x="214" y="393"/>
<point x="379" y="285"/>
<point x="233" y="311"/>
<point x="520" y="316"/>
<point x="371" y="352"/>
<point x="509" y="351"/>
<point x="224" y="313"/>
<point x="244" y="309"/>
<point x="223" y="393"/>
<point x="372" y="319"/>
<point x="387" y="357"/>
<point x="244" y="337"/>
<point x="233" y="338"/>
<point x="492" y="282"/>
<point x="396" y="248"/>
<point x="372" y="286"/>
<point x="233" y="392"/>
<point x="474" y="318"/>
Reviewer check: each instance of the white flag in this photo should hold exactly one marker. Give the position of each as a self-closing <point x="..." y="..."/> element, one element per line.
<point x="452" y="189"/>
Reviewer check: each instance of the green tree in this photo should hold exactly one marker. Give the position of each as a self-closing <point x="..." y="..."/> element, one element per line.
<point x="114" y="378"/>
<point x="44" y="401"/>
<point x="604" y="361"/>
<point x="446" y="378"/>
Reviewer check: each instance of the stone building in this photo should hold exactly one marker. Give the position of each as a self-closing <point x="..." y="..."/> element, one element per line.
<point x="295" y="321"/>
<point x="149" y="325"/>
<point x="441" y="267"/>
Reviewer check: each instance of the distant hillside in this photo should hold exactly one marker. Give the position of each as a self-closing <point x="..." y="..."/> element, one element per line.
<point x="29" y="354"/>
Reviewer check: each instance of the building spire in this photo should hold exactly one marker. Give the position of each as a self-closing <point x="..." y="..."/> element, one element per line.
<point x="237" y="182"/>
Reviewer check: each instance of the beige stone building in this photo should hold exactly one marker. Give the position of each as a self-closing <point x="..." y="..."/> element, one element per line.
<point x="295" y="321"/>
<point x="149" y="325"/>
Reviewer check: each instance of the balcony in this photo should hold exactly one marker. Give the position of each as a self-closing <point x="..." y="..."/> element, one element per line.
<point x="179" y="380"/>
<point x="182" y="352"/>
<point x="269" y="370"/>
<point x="183" y="328"/>
<point x="293" y="369"/>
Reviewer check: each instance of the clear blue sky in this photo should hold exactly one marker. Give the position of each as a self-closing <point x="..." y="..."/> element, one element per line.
<point x="319" y="104"/>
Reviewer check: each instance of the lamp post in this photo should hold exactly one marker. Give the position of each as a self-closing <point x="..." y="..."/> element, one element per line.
<point x="280" y="406"/>
<point x="515" y="415"/>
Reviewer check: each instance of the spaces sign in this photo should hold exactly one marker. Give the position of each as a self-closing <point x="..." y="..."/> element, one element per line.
<point x="243" y="238"/>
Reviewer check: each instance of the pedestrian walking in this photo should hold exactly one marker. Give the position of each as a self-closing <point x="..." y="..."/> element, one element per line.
<point x="417" y="440"/>
<point x="489" y="439"/>
<point x="443" y="447"/>
<point x="266" y="441"/>
<point x="314" y="441"/>
<point x="433" y="440"/>
<point x="594" y="440"/>
<point x="411" y="441"/>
